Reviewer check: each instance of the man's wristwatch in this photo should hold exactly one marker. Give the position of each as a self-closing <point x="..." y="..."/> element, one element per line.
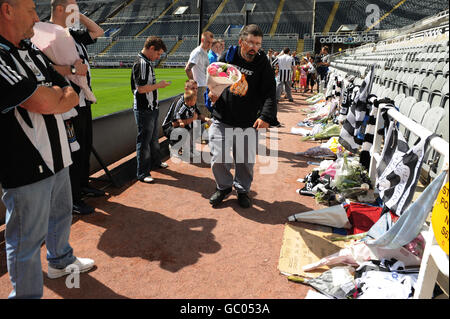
<point x="73" y="70"/>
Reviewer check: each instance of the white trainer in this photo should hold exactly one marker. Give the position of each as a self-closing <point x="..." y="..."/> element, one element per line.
<point x="164" y="165"/>
<point x="148" y="180"/>
<point x="79" y="266"/>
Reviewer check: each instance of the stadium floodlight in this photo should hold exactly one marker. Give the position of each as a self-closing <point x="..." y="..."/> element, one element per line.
<point x="247" y="9"/>
<point x="181" y="10"/>
<point x="347" y="28"/>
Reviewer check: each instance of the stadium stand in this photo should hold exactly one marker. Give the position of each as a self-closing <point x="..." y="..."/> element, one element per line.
<point x="106" y="9"/>
<point x="296" y="18"/>
<point x="43" y="9"/>
<point x="99" y="46"/>
<point x="140" y="10"/>
<point x="289" y="23"/>
<point x="354" y="12"/>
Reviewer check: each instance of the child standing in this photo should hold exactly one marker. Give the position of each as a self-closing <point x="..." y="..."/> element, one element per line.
<point x="303" y="76"/>
<point x="297" y="78"/>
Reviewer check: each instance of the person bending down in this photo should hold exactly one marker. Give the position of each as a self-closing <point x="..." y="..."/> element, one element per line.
<point x="185" y="117"/>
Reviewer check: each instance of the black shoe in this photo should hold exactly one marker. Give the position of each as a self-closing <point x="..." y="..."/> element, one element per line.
<point x="244" y="201"/>
<point x="81" y="208"/>
<point x="92" y="192"/>
<point x="219" y="196"/>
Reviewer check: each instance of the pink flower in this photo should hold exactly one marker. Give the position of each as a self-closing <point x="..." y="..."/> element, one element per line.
<point x="212" y="71"/>
<point x="223" y="75"/>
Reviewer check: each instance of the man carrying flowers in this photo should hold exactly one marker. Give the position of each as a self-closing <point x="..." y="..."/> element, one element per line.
<point x="238" y="113"/>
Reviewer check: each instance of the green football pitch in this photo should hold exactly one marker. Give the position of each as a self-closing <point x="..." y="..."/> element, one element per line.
<point x="112" y="88"/>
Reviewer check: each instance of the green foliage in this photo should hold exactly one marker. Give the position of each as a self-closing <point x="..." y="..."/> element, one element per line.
<point x="331" y="130"/>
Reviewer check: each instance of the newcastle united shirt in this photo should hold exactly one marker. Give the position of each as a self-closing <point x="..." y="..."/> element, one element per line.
<point x="33" y="146"/>
<point x="143" y="74"/>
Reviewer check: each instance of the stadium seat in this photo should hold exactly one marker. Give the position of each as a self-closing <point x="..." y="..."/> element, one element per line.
<point x="445" y="95"/>
<point x="378" y="75"/>
<point x="381" y="92"/>
<point x="414" y="67"/>
<point x="417" y="114"/>
<point x="439" y="68"/>
<point x="432" y="48"/>
<point x="390" y="79"/>
<point x="425" y="90"/>
<point x="407" y="87"/>
<point x="417" y="84"/>
<point x="435" y="95"/>
<point x="378" y="91"/>
<point x="445" y="70"/>
<point x="398" y="100"/>
<point x="443" y="131"/>
<point x="432" y="118"/>
<point x="403" y="82"/>
<point x="398" y="82"/>
<point x="424" y="67"/>
<point x="418" y="67"/>
<point x="405" y="108"/>
<point x="392" y="95"/>
<point x="431" y="68"/>
<point x="432" y="121"/>
<point x="443" y="57"/>
<point x="422" y="57"/>
<point x="406" y="105"/>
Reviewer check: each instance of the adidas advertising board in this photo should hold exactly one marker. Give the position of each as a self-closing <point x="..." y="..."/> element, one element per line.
<point x="335" y="39"/>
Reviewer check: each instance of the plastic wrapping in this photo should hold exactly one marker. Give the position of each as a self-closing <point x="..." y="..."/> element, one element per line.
<point x="222" y="75"/>
<point x="335" y="216"/>
<point x="59" y="46"/>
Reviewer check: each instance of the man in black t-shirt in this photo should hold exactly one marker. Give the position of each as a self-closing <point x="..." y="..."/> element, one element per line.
<point x="62" y="12"/>
<point x="35" y="156"/>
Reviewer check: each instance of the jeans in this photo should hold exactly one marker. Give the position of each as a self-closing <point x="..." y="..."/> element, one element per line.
<point x="37" y="213"/>
<point x="222" y="144"/>
<point x="147" y="142"/>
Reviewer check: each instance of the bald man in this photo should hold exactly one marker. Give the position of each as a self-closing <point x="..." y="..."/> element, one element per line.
<point x="196" y="69"/>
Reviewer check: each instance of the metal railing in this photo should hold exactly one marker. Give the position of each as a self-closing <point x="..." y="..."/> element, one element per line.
<point x="434" y="259"/>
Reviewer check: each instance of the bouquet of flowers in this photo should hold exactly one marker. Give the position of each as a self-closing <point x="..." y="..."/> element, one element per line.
<point x="59" y="46"/>
<point x="222" y="75"/>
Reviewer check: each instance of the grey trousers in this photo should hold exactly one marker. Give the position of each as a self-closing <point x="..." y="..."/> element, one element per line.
<point x="287" y="87"/>
<point x="230" y="146"/>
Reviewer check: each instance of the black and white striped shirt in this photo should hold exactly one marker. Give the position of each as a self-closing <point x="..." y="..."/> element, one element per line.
<point x="144" y="74"/>
<point x="285" y="64"/>
<point x="185" y="113"/>
<point x="82" y="38"/>
<point x="33" y="146"/>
